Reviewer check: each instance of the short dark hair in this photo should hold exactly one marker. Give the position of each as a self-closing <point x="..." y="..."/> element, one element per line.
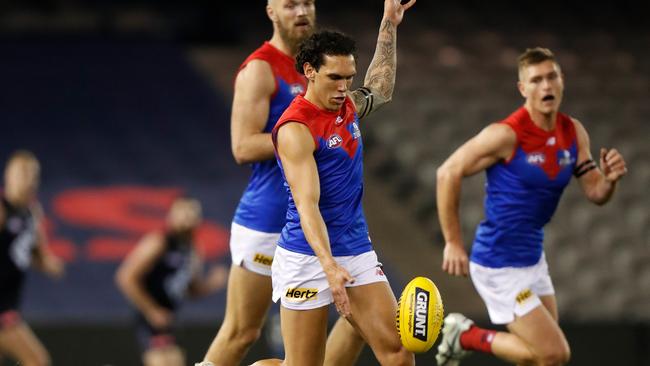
<point x="319" y="44"/>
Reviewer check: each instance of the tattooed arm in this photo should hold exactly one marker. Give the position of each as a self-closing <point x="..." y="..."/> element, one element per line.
<point x="377" y="89"/>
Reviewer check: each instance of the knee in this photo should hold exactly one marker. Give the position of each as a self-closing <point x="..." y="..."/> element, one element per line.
<point x="247" y="335"/>
<point x="558" y="357"/>
<point x="242" y="333"/>
<point x="397" y="357"/>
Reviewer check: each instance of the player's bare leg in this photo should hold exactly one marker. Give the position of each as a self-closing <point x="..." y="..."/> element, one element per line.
<point x="270" y="362"/>
<point x="344" y="345"/>
<point x="373" y="315"/>
<point x="304" y="333"/>
<point x="20" y="343"/>
<point x="534" y="339"/>
<point x="248" y="301"/>
<point x="543" y="338"/>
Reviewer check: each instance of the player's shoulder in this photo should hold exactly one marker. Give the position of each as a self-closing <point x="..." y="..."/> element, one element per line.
<point x="266" y="54"/>
<point x="500" y="131"/>
<point x="579" y="129"/>
<point x="302" y="110"/>
<point x="256" y="68"/>
<point x="256" y="77"/>
<point x="576" y="123"/>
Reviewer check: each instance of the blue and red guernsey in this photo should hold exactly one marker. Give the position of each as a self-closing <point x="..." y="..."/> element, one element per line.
<point x="264" y="202"/>
<point x="522" y="193"/>
<point x="339" y="160"/>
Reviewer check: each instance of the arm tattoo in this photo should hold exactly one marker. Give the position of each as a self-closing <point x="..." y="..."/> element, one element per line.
<point x="380" y="77"/>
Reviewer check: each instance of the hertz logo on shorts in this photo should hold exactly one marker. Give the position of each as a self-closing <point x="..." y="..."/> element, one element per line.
<point x="263" y="259"/>
<point x="421" y="315"/>
<point x="301" y="294"/>
<point x="523" y="296"/>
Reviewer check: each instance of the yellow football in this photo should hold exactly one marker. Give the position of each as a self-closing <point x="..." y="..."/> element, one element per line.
<point x="419" y="315"/>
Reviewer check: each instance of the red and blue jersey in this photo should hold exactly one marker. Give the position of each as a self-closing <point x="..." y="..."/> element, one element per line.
<point x="523" y="192"/>
<point x="264" y="202"/>
<point x="339" y="160"/>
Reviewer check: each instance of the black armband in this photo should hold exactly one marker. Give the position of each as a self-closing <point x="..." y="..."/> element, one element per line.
<point x="367" y="94"/>
<point x="584" y="167"/>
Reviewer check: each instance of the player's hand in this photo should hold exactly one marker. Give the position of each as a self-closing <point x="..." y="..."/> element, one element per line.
<point x="159" y="317"/>
<point x="454" y="260"/>
<point x="612" y="164"/>
<point x="53" y="266"/>
<point x="394" y="10"/>
<point x="338" y="277"/>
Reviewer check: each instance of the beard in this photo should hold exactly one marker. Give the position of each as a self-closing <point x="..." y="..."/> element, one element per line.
<point x="292" y="37"/>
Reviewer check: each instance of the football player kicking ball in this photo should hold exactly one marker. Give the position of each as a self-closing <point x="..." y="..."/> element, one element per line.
<point x="529" y="159"/>
<point x="324" y="254"/>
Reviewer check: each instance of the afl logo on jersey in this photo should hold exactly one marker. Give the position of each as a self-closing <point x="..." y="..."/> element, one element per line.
<point x="536" y="159"/>
<point x="334" y="141"/>
<point x="296" y="89"/>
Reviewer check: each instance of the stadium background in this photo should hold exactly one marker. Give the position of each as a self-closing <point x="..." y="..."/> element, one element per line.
<point x="126" y="103"/>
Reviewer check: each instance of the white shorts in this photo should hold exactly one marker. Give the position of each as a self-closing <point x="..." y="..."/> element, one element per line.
<point x="511" y="291"/>
<point x="252" y="249"/>
<point x="301" y="283"/>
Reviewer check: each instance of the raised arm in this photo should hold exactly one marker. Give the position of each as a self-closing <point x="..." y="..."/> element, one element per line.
<point x="295" y="149"/>
<point x="254" y="87"/>
<point x="597" y="184"/>
<point x="377" y="89"/>
<point x="130" y="275"/>
<point x="496" y="142"/>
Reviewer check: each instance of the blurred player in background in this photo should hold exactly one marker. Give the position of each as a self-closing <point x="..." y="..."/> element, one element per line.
<point x="266" y="83"/>
<point x="22" y="244"/>
<point x="529" y="159"/>
<point x="325" y="254"/>
<point x="160" y="271"/>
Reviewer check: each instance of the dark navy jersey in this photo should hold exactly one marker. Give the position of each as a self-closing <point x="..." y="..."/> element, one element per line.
<point x="523" y="192"/>
<point x="18" y="240"/>
<point x="168" y="280"/>
<point x="339" y="160"/>
<point x="263" y="205"/>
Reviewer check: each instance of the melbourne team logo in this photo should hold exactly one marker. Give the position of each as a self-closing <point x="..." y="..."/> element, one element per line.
<point x="296" y="89"/>
<point x="338" y="120"/>
<point x="334" y="141"/>
<point x="565" y="158"/>
<point x="356" y="132"/>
